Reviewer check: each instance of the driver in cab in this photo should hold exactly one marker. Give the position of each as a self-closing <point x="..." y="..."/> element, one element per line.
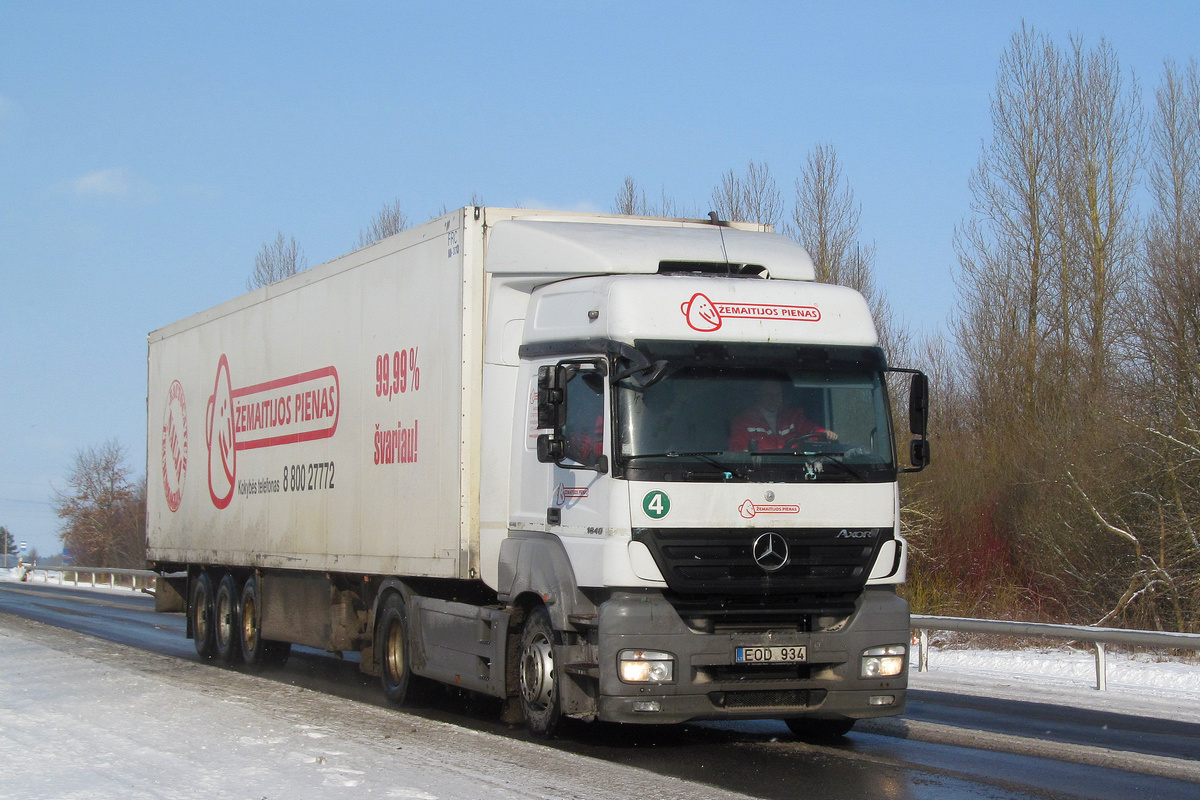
<point x="770" y="425"/>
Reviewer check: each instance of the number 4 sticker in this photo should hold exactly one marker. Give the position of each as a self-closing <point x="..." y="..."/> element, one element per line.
<point x="656" y="504"/>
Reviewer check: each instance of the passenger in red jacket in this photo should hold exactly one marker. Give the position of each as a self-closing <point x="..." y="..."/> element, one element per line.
<point x="769" y="425"/>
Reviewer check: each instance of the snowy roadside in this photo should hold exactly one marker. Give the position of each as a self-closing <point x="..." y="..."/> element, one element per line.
<point x="103" y="720"/>
<point x="1140" y="683"/>
<point x="42" y="577"/>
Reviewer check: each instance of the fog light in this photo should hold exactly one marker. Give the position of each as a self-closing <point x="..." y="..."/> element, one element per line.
<point x="645" y="666"/>
<point x="883" y="662"/>
<point x="881" y="700"/>
<point x="647" y="705"/>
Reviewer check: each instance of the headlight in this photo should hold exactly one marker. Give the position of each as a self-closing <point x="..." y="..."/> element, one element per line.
<point x="883" y="662"/>
<point x="646" y="666"/>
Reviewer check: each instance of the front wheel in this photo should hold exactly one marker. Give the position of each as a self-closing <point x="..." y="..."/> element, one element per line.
<point x="540" y="699"/>
<point x="819" y="730"/>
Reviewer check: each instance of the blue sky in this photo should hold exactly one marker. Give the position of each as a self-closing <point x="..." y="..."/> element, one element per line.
<point x="147" y="150"/>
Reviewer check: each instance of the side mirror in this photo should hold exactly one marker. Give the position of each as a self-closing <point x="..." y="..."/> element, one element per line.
<point x="551" y="448"/>
<point x="918" y="405"/>
<point x="918" y="421"/>
<point x="918" y="452"/>
<point x="552" y="395"/>
<point x="570" y="404"/>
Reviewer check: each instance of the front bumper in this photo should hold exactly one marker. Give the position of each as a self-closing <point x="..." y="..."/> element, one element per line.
<point x="708" y="684"/>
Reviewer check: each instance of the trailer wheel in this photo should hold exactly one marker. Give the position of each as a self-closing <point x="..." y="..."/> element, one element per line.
<point x="251" y="625"/>
<point x="257" y="651"/>
<point x="819" y="730"/>
<point x="226" y="647"/>
<point x="539" y="677"/>
<point x="395" y="673"/>
<point x="201" y="610"/>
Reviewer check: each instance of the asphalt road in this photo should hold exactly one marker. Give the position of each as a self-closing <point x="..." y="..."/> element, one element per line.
<point x="946" y="746"/>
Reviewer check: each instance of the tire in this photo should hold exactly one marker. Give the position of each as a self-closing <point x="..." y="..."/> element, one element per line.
<point x="257" y="651"/>
<point x="395" y="669"/>
<point x="200" y="613"/>
<point x="539" y="675"/>
<point x="226" y="637"/>
<point x="250" y="627"/>
<point x="819" y="730"/>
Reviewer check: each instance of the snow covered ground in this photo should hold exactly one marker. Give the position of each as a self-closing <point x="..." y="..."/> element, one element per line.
<point x="92" y="719"/>
<point x="1140" y="683"/>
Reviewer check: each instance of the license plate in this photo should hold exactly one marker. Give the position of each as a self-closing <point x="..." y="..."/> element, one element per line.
<point x="789" y="654"/>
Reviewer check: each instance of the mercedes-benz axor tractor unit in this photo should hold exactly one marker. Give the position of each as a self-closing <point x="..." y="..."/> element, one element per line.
<point x="601" y="467"/>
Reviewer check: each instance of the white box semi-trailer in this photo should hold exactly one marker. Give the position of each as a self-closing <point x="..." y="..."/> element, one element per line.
<point x="509" y="450"/>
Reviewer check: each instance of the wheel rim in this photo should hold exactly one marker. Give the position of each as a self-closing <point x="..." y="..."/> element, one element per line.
<point x="250" y="624"/>
<point x="201" y="621"/>
<point x="393" y="653"/>
<point x="537" y="672"/>
<point x="224" y="619"/>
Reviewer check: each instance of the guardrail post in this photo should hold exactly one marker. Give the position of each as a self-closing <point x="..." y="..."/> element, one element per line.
<point x="112" y="580"/>
<point x="1101" y="668"/>
<point x="923" y="650"/>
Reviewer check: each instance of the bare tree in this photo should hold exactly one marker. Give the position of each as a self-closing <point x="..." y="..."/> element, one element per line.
<point x="761" y="197"/>
<point x="1005" y="254"/>
<point x="825" y="220"/>
<point x="1046" y="262"/>
<point x="8" y="545"/>
<point x="388" y="222"/>
<point x="1171" y="310"/>
<point x="727" y="198"/>
<point x="103" y="511"/>
<point x="276" y="261"/>
<point x="1157" y="507"/>
<point x="1102" y="155"/>
<point x="754" y="197"/>
<point x="630" y="200"/>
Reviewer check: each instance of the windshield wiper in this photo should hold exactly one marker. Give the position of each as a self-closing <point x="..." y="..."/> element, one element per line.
<point x="706" y="457"/>
<point x="816" y="460"/>
<point x="835" y="458"/>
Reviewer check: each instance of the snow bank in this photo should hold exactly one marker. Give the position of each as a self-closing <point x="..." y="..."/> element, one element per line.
<point x="1139" y="683"/>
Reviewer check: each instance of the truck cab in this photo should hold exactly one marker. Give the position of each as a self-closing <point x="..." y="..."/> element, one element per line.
<point x="703" y="493"/>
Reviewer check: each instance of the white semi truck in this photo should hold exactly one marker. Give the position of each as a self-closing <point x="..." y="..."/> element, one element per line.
<point x="602" y="467"/>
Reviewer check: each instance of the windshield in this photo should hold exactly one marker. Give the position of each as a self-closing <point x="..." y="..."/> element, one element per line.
<point x="762" y="415"/>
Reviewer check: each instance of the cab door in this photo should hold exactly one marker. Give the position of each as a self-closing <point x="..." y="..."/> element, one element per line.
<point x="566" y="458"/>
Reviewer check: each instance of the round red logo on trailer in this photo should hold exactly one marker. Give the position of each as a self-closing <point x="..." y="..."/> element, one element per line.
<point x="174" y="445"/>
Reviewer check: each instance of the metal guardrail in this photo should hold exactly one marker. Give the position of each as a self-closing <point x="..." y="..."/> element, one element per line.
<point x="1099" y="637"/>
<point x="138" y="579"/>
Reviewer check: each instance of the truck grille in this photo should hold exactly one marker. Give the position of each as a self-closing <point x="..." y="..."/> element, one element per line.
<point x="819" y="561"/>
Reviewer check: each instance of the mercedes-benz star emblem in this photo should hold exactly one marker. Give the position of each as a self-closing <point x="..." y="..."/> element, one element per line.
<point x="770" y="551"/>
